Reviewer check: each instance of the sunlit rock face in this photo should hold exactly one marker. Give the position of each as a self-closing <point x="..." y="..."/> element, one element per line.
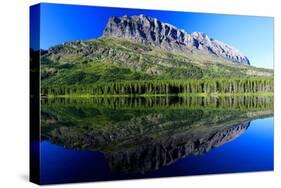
<point x="151" y="31"/>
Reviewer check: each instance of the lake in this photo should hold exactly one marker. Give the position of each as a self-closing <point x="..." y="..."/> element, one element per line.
<point x="112" y="138"/>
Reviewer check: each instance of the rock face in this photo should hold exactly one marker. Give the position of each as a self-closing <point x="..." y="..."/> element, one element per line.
<point x="151" y="31"/>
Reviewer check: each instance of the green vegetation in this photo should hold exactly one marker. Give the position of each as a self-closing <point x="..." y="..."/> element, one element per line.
<point x="111" y="66"/>
<point x="165" y="87"/>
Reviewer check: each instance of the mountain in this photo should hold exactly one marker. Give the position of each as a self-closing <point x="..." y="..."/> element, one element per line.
<point x="129" y="51"/>
<point x="151" y="31"/>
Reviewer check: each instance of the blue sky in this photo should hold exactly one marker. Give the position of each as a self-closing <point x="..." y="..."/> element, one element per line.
<point x="252" y="35"/>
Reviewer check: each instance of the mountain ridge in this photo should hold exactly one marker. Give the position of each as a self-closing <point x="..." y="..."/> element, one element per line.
<point x="151" y="31"/>
<point x="109" y="59"/>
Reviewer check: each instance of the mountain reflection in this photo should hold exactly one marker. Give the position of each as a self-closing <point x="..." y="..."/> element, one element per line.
<point x="139" y="134"/>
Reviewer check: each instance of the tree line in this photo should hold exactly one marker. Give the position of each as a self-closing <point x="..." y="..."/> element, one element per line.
<point x="165" y="87"/>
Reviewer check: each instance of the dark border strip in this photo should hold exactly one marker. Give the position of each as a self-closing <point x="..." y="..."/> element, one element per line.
<point x="34" y="80"/>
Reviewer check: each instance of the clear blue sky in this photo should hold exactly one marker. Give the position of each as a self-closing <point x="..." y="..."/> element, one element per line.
<point x="253" y="36"/>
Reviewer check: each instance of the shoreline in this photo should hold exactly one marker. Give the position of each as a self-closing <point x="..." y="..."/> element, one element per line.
<point x="259" y="94"/>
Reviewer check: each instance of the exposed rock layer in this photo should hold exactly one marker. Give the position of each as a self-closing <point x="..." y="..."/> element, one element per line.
<point x="151" y="31"/>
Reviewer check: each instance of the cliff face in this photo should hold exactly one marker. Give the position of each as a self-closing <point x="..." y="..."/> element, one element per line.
<point x="151" y="31"/>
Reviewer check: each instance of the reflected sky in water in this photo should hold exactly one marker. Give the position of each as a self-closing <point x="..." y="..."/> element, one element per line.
<point x="203" y="144"/>
<point x="252" y="151"/>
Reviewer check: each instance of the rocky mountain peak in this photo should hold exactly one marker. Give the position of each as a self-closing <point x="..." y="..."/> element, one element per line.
<point x="151" y="31"/>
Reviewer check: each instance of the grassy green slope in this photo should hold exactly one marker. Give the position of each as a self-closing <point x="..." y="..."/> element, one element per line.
<point x="112" y="59"/>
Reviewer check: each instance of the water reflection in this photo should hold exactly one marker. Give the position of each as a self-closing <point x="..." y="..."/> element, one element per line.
<point x="143" y="134"/>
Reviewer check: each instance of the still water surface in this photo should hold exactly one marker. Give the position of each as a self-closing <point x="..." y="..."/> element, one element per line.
<point x="109" y="139"/>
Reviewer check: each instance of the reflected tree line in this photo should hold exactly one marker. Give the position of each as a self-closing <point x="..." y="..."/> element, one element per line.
<point x="227" y="102"/>
<point x="139" y="134"/>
